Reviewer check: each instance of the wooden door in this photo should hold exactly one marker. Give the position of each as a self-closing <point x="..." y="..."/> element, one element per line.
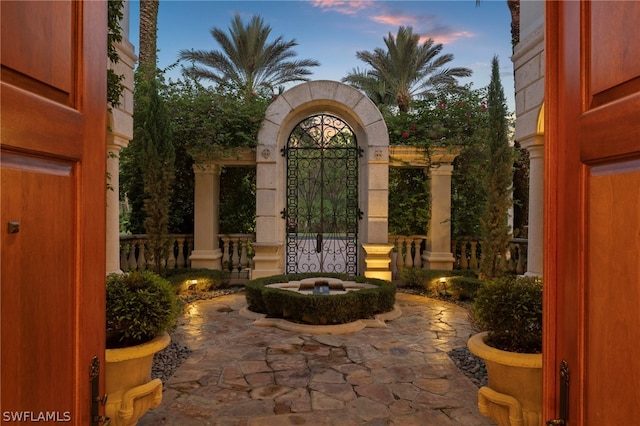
<point x="53" y="152"/>
<point x="592" y="211"/>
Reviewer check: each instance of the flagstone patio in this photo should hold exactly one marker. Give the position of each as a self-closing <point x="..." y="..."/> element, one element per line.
<point x="243" y="374"/>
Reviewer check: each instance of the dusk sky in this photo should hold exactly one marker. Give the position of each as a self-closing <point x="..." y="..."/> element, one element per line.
<point x="332" y="31"/>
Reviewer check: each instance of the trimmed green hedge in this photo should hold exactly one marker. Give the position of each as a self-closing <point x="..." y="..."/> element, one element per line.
<point x="319" y="309"/>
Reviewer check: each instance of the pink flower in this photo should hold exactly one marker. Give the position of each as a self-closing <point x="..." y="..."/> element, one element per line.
<point x="413" y="128"/>
<point x="405" y="135"/>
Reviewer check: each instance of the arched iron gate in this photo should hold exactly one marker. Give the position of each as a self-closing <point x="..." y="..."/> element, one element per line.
<point x="322" y="196"/>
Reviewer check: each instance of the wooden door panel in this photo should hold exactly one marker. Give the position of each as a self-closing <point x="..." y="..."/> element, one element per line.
<point x="612" y="317"/>
<point x="37" y="299"/>
<point x="53" y="147"/>
<point x="592" y="210"/>
<point x="613" y="62"/>
<point x="45" y="30"/>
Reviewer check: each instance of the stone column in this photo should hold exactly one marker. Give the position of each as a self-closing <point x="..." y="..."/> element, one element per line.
<point x="119" y="133"/>
<point x="438" y="253"/>
<point x="269" y="248"/>
<point x="206" y="248"/>
<point x="536" y="205"/>
<point x="114" y="145"/>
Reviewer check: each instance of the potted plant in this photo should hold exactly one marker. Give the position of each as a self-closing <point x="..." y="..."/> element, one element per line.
<point x="141" y="308"/>
<point x="510" y="310"/>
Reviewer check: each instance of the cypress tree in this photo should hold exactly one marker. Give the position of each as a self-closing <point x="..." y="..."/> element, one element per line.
<point x="153" y="133"/>
<point x="495" y="228"/>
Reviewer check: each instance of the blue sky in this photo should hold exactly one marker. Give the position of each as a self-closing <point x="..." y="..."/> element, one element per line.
<point x="332" y="31"/>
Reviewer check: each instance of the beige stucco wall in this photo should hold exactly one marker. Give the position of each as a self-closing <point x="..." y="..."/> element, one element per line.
<point x="529" y="66"/>
<point x="119" y="134"/>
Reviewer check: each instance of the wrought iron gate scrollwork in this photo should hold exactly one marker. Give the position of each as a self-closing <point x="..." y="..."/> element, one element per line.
<point x="322" y="196"/>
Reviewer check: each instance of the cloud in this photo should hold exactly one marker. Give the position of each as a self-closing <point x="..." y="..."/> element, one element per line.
<point x="426" y="25"/>
<point x="342" y="6"/>
<point x="445" y="35"/>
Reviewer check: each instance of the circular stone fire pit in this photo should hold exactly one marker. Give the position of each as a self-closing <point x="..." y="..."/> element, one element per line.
<point x="320" y="299"/>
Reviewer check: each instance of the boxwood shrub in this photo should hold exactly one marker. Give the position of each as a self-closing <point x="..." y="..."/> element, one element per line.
<point x="319" y="309"/>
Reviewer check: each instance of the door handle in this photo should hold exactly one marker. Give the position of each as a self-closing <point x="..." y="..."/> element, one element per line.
<point x="564" y="396"/>
<point x="318" y="243"/>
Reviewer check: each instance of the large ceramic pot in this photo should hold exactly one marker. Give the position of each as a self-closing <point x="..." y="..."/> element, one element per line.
<point x="128" y="385"/>
<point x="514" y="394"/>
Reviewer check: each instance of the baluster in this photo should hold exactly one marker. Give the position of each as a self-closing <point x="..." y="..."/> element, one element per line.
<point x="142" y="261"/>
<point x="133" y="263"/>
<point x="171" y="254"/>
<point x="225" y="253"/>
<point x="474" y="260"/>
<point x="190" y="243"/>
<point x="124" y="264"/>
<point x="235" y="259"/>
<point x="244" y="263"/>
<point x="400" y="260"/>
<point x="180" y="260"/>
<point x="454" y="251"/>
<point x="408" y="257"/>
<point x="521" y="258"/>
<point x="417" y="257"/>
<point x="464" y="263"/>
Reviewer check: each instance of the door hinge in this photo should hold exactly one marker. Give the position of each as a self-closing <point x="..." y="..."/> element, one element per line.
<point x="96" y="399"/>
<point x="564" y="397"/>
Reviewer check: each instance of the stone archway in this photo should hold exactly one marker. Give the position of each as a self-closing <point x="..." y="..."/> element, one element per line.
<point x="370" y="129"/>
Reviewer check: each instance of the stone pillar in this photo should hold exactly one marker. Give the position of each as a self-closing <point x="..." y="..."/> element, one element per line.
<point x="438" y="253"/>
<point x="268" y="250"/>
<point x="206" y="248"/>
<point x="536" y="205"/>
<point x="114" y="145"/>
<point x="119" y="133"/>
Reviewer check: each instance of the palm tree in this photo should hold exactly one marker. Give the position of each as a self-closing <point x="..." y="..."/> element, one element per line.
<point x="247" y="60"/>
<point x="406" y="68"/>
<point x="148" y="38"/>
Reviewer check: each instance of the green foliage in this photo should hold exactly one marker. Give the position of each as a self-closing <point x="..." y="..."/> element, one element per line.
<point x="186" y="280"/>
<point x="454" y="118"/>
<point x="521" y="192"/>
<point x="114" y="35"/>
<point x="238" y="200"/>
<point x="140" y="306"/>
<point x="224" y="123"/>
<point x="451" y="118"/>
<point x="408" y="201"/>
<point x="429" y="279"/>
<point x="152" y="130"/>
<point x="500" y="156"/>
<point x="510" y="309"/>
<point x="317" y="309"/>
<point x="463" y="288"/>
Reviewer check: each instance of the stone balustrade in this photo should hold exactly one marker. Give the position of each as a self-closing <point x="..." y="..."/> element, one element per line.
<point x="237" y="254"/>
<point x="468" y="252"/>
<point x="134" y="255"/>
<point x="407" y="252"/>
<point x="236" y="249"/>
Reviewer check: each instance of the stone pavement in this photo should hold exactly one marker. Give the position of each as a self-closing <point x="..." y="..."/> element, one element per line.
<point x="242" y="374"/>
